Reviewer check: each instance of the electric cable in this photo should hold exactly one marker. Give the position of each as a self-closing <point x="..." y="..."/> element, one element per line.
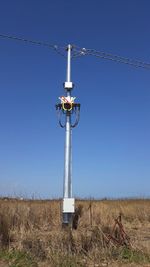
<point x="120" y="59"/>
<point x="27" y="40"/>
<point x="57" y="48"/>
<point x="78" y="52"/>
<point x="59" y="114"/>
<point x="77" y="114"/>
<point x="60" y="51"/>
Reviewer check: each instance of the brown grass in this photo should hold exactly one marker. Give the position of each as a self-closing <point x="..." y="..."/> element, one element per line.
<point x="35" y="227"/>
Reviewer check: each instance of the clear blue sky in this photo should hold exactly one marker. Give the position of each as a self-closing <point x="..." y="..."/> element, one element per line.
<point x="111" y="145"/>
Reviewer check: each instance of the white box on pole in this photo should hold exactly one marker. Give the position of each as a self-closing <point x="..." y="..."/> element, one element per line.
<point x="68" y="205"/>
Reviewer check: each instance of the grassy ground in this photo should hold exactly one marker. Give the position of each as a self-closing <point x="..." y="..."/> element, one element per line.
<point x="31" y="234"/>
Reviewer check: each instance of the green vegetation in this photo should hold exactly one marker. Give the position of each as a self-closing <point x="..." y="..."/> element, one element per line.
<point x="130" y="255"/>
<point x="17" y="258"/>
<point x="61" y="260"/>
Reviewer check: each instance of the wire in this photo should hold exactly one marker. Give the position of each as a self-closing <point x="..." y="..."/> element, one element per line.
<point x="78" y="52"/>
<point x="27" y="40"/>
<point x="57" y="48"/>
<point x="60" y="51"/>
<point x="101" y="54"/>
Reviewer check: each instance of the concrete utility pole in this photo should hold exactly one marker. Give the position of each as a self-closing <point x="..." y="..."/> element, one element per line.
<point x="68" y="107"/>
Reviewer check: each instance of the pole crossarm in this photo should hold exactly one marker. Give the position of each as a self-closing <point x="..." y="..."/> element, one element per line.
<point x="75" y="106"/>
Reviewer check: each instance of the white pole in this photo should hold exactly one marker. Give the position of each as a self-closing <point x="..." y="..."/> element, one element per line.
<point x="67" y="194"/>
<point x="69" y="63"/>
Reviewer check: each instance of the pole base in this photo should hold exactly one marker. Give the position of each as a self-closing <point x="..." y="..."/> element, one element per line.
<point x="67" y="219"/>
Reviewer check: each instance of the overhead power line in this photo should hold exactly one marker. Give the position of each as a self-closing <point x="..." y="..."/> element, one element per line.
<point x="78" y="52"/>
<point x="117" y="58"/>
<point x="27" y="40"/>
<point x="57" y="48"/>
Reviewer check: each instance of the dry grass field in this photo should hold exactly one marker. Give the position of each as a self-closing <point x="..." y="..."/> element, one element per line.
<point x="31" y="234"/>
